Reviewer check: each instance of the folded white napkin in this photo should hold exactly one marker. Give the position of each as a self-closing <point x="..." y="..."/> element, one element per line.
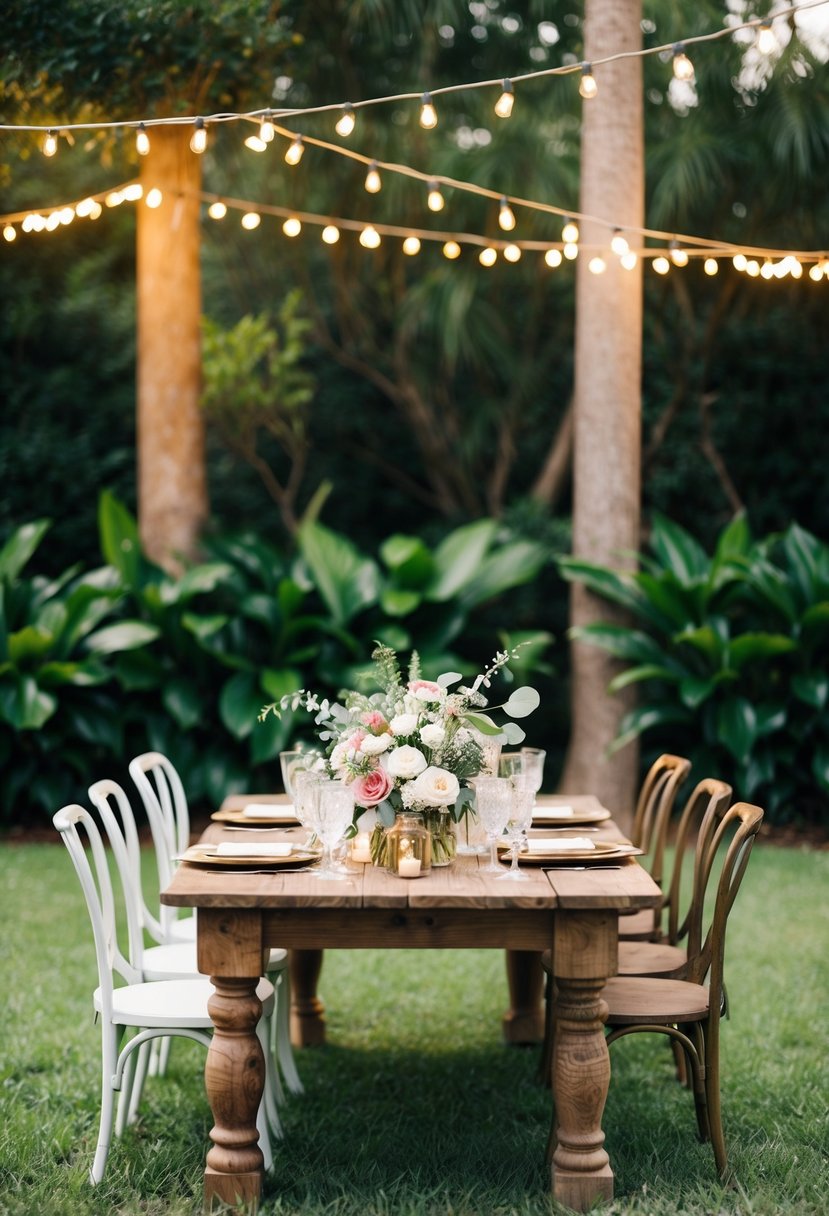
<point x="267" y="810"/>
<point x="559" y="845"/>
<point x="240" y="849"/>
<point x="552" y="812"/>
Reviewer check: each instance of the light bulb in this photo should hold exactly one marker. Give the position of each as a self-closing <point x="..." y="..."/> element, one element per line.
<point x="411" y="246"/>
<point x="50" y="143"/>
<point x="66" y="215"/>
<point x="345" y="123"/>
<point x="512" y="253"/>
<point x="434" y="199"/>
<point x="678" y="256"/>
<point x="739" y="261"/>
<point x="570" y="232"/>
<point x="369" y="238"/>
<point x="488" y="256"/>
<point x="766" y="41"/>
<point x="97" y="209"/>
<point x="816" y="272"/>
<point x="9" y="233"/>
<point x="52" y="222"/>
<point x="767" y="270"/>
<point x="618" y="243"/>
<point x="330" y="234"/>
<point x="553" y="257"/>
<point x="142" y="140"/>
<point x="198" y="140"/>
<point x="597" y="265"/>
<point x="781" y="269"/>
<point x="114" y="198"/>
<point x="587" y="85"/>
<point x="267" y="131"/>
<point x="153" y="199"/>
<point x="292" y="227"/>
<point x="428" y="113"/>
<point x="570" y="251"/>
<point x="295" y="150"/>
<point x="255" y="143"/>
<point x="373" y="183"/>
<point x="796" y="269"/>
<point x="506" y="215"/>
<point x="451" y="250"/>
<point x="753" y="268"/>
<point x="217" y="210"/>
<point x="504" y="104"/>
<point x="251" y="220"/>
<point x="84" y="207"/>
<point x="683" y="68"/>
<point x="628" y="260"/>
<point x="661" y="265"/>
<point x="711" y="266"/>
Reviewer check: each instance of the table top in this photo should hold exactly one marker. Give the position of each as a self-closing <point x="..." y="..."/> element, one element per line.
<point x="463" y="884"/>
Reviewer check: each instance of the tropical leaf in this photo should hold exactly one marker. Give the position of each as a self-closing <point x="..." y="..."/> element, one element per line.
<point x="347" y="581"/>
<point x="458" y="557"/>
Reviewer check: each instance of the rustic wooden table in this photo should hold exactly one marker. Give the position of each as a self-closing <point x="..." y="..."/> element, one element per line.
<point x="572" y="911"/>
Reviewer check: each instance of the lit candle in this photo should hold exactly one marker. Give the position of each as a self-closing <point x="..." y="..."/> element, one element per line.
<point x="409" y="867"/>
<point x="361" y="848"/>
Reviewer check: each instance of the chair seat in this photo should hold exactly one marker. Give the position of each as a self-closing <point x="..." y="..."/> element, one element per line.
<point x="183" y="929"/>
<point x="176" y="1004"/>
<point x="650" y="958"/>
<point x="638" y="926"/>
<point x="639" y="1001"/>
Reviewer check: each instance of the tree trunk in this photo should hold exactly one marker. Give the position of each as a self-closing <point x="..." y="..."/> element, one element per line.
<point x="607" y="444"/>
<point x="172" y="480"/>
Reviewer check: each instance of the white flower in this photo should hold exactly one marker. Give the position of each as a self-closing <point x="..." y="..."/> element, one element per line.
<point x="435" y="787"/>
<point x="405" y="762"/>
<point x="433" y="734"/>
<point x="373" y="745"/>
<point x="403" y="724"/>
<point x="339" y="756"/>
<point x="462" y="735"/>
<point x="428" y="695"/>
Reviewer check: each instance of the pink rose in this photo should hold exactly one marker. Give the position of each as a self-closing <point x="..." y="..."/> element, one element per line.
<point x="414" y="685"/>
<point x="372" y="788"/>
<point x="375" y="721"/>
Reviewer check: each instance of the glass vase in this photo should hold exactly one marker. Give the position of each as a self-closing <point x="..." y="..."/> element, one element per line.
<point x="408" y="846"/>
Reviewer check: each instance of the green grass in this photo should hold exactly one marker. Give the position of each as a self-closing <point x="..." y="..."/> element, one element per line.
<point x="415" y="1107"/>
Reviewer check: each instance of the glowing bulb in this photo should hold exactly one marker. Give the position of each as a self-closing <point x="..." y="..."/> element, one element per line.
<point x="570" y="232"/>
<point x="53" y="222"/>
<point x="9" y="233"/>
<point x="251" y="220"/>
<point x="114" y="198"/>
<point x="504" y="104"/>
<point x="198" y="140"/>
<point x="373" y="183"/>
<point x="767" y="270"/>
<point x="570" y="251"/>
<point x="435" y="200"/>
<point x="618" y="243"/>
<point x="428" y="113"/>
<point x="133" y="192"/>
<point x="267" y="131"/>
<point x="142" y="140"/>
<point x="753" y="268"/>
<point x="345" y="123"/>
<point x="711" y="266"/>
<point x="597" y="265"/>
<point x="587" y="85"/>
<point x="36" y="222"/>
<point x="255" y="143"/>
<point x="292" y="227"/>
<point x="154" y="198"/>
<point x="506" y="215"/>
<point x="97" y="209"/>
<point x="84" y="207"/>
<point x="451" y="250"/>
<point x="683" y="68"/>
<point x="295" y="150"/>
<point x="411" y="246"/>
<point x="739" y="261"/>
<point x="628" y="260"/>
<point x="27" y="226"/>
<point x="766" y="40"/>
<point x="553" y="257"/>
<point x="66" y="215"/>
<point x="815" y="273"/>
<point x="50" y="143"/>
<point x="512" y="253"/>
<point x="330" y="234"/>
<point x="217" y="211"/>
<point x="661" y="265"/>
<point x="678" y="256"/>
<point x="796" y="269"/>
<point x="488" y="256"/>
<point x="369" y="238"/>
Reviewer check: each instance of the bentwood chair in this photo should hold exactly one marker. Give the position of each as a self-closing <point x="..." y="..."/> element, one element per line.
<point x="154" y="1010"/>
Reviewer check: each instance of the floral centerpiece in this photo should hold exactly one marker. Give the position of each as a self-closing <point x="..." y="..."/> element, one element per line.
<point x="412" y="745"/>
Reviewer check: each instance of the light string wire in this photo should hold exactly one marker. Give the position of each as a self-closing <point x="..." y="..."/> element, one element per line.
<point x="443" y="90"/>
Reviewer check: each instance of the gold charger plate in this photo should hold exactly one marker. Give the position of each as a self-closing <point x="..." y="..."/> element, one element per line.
<point x="565" y="821"/>
<point x="284" y="819"/>
<point x="602" y="851"/>
<point x="198" y="855"/>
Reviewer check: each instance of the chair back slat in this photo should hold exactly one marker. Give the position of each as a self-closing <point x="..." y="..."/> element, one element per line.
<point x="112" y="804"/>
<point x="709" y="798"/>
<point x="654" y="807"/>
<point x="165" y="802"/>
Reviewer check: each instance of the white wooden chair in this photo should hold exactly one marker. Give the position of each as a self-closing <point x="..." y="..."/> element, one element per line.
<point x="153" y="1010"/>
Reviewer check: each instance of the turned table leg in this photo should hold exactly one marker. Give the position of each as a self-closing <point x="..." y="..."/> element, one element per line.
<point x="523" y="1023"/>
<point x="307" y="1021"/>
<point x="584" y="954"/>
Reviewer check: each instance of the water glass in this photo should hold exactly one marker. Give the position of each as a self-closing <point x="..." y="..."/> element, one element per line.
<point x="334" y="802"/>
<point x="519" y="819"/>
<point x="493" y="799"/>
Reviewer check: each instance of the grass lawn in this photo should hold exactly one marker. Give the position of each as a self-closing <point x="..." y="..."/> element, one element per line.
<point x="415" y="1106"/>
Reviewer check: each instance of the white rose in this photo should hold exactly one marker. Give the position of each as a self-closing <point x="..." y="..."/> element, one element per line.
<point x="433" y="734"/>
<point x="435" y="787"/>
<point x="404" y="724"/>
<point x="373" y="745"/>
<point x="339" y="756"/>
<point x="405" y="762"/>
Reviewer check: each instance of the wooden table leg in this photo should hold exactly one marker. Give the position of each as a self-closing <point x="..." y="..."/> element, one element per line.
<point x="523" y="1023"/>
<point x="584" y="956"/>
<point x="307" y="1020"/>
<point x="229" y="943"/>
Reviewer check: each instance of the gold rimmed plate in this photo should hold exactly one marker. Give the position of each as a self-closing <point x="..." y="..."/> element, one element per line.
<point x="204" y="855"/>
<point x="276" y="816"/>
<point x="603" y="850"/>
<point x="545" y="817"/>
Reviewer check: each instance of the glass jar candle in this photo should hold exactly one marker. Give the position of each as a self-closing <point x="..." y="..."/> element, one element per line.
<point x="408" y="846"/>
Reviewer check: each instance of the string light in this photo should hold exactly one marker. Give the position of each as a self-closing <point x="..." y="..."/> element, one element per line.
<point x="711" y="266"/>
<point x="373" y="183"/>
<point x="816" y="272"/>
<point x="198" y="140"/>
<point x="628" y="260"/>
<point x="267" y="130"/>
<point x="411" y="246"/>
<point x="767" y="269"/>
<point x="661" y="265"/>
<point x="217" y="211"/>
<point x="292" y="226"/>
<point x="570" y="232"/>
<point x="256" y="143"/>
<point x="488" y="256"/>
<point x="9" y="233"/>
<point x="428" y="113"/>
<point x="451" y="250"/>
<point x="50" y="143"/>
<point x="153" y="200"/>
<point x="506" y="215"/>
<point x="504" y="104"/>
<point x="346" y="122"/>
<point x="767" y="43"/>
<point x="295" y="151"/>
<point x="618" y="243"/>
<point x="512" y="253"/>
<point x="330" y="234"/>
<point x="369" y="238"/>
<point x="570" y="251"/>
<point x="553" y="258"/>
<point x="597" y="265"/>
<point x="753" y="268"/>
<point x="678" y="256"/>
<point x="251" y="220"/>
<point x="683" y="68"/>
<point x="587" y="85"/>
<point x="434" y="199"/>
<point x="142" y="140"/>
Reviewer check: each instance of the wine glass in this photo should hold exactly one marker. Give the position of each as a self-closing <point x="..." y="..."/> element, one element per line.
<point x="532" y="759"/>
<point x="293" y="762"/>
<point x="493" y="799"/>
<point x="519" y="819"/>
<point x="305" y="783"/>
<point x="334" y="803"/>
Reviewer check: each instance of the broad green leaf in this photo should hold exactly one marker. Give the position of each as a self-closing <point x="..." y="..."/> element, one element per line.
<point x="290" y="596"/>
<point x="737" y="727"/>
<point x="511" y="565"/>
<point x="29" y="644"/>
<point x="770" y="719"/>
<point x="647" y="671"/>
<point x="734" y="540"/>
<point x="820" y="766"/>
<point x="803" y="552"/>
<point x="482" y="723"/>
<point x="512" y="734"/>
<point x="665" y="602"/>
<point x="410" y="561"/>
<point x="81" y="675"/>
<point x="458" y="558"/>
<point x="120" y="543"/>
<point x="183" y="701"/>
<point x="277" y="681"/>
<point x="617" y="586"/>
<point x="346" y="580"/>
<point x="395" y="602"/>
<point x="677" y="550"/>
<point x="86" y="607"/>
<point x="203" y="578"/>
<point x="811" y="688"/>
<point x="646" y="717"/>
<point x="706" y="639"/>
<point x="749" y="646"/>
<point x="24" y="705"/>
<point x="203" y="627"/>
<point x="694" y="690"/>
<point x="138" y="670"/>
<point x="126" y="635"/>
<point x="239" y="703"/>
<point x="19" y="548"/>
<point x="522" y="702"/>
<point x="621" y="642"/>
<point x="815" y="620"/>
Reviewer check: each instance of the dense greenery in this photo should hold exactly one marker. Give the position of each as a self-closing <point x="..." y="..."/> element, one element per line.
<point x="732" y="653"/>
<point x="415" y="1107"/>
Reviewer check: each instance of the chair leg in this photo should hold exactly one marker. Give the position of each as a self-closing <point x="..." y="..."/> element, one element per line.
<point x="264" y="1137"/>
<point x="712" y="1093"/>
<point x="124" y="1094"/>
<point x="109" y="1052"/>
<point x="141" y="1067"/>
<point x="282" y="1028"/>
<point x="696" y="1063"/>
